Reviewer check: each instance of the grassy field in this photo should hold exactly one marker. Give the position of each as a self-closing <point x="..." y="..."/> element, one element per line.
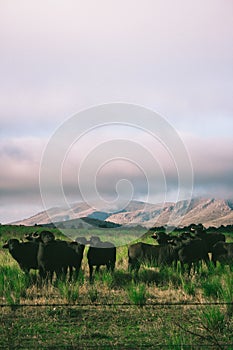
<point x="162" y="309"/>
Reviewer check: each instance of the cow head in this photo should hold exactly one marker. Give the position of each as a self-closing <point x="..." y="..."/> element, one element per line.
<point x="11" y="243"/>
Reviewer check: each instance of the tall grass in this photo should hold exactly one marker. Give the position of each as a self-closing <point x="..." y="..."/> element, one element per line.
<point x="137" y="293"/>
<point x="189" y="286"/>
<point x="168" y="276"/>
<point x="93" y="294"/>
<point x="212" y="287"/>
<point x="105" y="277"/>
<point x="13" y="284"/>
<point x="69" y="291"/>
<point x="213" y="319"/>
<point x="227" y="293"/>
<point x="179" y="341"/>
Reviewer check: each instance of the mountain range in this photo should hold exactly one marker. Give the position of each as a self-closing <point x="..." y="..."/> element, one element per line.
<point x="209" y="212"/>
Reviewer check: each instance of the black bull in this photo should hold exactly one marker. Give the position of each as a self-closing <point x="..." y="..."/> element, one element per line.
<point x="139" y="253"/>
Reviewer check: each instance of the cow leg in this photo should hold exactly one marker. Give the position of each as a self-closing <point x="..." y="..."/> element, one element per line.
<point x="68" y="272"/>
<point x="50" y="275"/>
<point x="190" y="267"/>
<point x="60" y="273"/>
<point x="197" y="266"/>
<point x="207" y="261"/>
<point x="47" y="277"/>
<point x="25" y="270"/>
<point x="175" y="264"/>
<point x="214" y="261"/>
<point x="77" y="269"/>
<point x="133" y="265"/>
<point x="90" y="273"/>
<point x="65" y="271"/>
<point x="130" y="267"/>
<point x="112" y="266"/>
<point x="42" y="275"/>
<point x="182" y="266"/>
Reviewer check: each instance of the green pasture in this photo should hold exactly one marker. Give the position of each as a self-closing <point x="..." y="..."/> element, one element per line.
<point x="161" y="308"/>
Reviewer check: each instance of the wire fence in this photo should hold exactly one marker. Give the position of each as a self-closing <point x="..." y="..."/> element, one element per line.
<point x="147" y="304"/>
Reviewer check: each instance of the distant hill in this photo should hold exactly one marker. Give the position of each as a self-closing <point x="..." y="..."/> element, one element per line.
<point x="85" y="222"/>
<point x="209" y="212"/>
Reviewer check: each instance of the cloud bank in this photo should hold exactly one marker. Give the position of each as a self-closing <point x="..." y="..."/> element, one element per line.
<point x="19" y="181"/>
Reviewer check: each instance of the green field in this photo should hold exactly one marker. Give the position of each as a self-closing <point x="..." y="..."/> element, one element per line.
<point x="161" y="309"/>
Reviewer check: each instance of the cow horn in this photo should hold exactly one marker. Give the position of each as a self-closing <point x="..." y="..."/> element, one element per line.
<point x="5" y="245"/>
<point x="35" y="235"/>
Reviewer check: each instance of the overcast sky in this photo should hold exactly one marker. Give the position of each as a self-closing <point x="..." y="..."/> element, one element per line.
<point x="61" y="57"/>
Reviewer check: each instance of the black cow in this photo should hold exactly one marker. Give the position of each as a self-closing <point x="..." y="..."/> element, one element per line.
<point x="100" y="253"/>
<point x="191" y="252"/>
<point x="57" y="256"/>
<point x="210" y="239"/>
<point x="155" y="255"/>
<point x="75" y="261"/>
<point x="223" y="252"/>
<point x="161" y="237"/>
<point x="186" y="235"/>
<point x="24" y="253"/>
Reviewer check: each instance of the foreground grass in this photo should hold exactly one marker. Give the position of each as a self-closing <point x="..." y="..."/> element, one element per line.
<point x="110" y="326"/>
<point x="161" y="308"/>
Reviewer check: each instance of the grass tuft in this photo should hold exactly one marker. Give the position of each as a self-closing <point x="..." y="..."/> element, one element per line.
<point x="189" y="286"/>
<point x="212" y="287"/>
<point x="69" y="291"/>
<point x="13" y="284"/>
<point x="93" y="294"/>
<point x="137" y="294"/>
<point x="214" y="319"/>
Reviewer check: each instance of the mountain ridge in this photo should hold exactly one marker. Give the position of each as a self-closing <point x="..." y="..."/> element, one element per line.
<point x="208" y="211"/>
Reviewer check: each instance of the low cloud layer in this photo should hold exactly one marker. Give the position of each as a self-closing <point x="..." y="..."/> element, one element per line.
<point x="19" y="181"/>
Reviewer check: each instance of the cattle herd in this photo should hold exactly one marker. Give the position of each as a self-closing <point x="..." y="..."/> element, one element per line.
<point x="189" y="248"/>
<point x="51" y="256"/>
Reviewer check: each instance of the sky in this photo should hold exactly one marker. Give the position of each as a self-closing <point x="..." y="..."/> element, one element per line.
<point x="59" y="58"/>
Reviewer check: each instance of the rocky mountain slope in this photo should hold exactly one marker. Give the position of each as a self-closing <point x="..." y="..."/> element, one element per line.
<point x="209" y="212"/>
